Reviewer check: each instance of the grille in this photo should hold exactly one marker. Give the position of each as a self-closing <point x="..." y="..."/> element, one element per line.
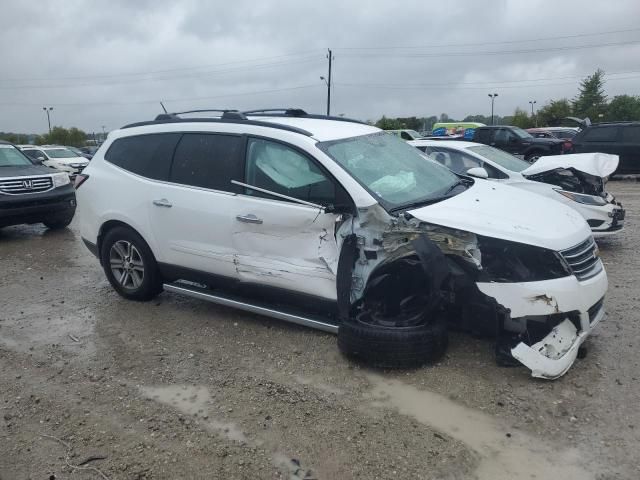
<point x="583" y="259"/>
<point x="18" y="186"/>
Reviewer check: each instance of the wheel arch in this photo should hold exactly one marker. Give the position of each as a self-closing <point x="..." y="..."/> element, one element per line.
<point x="110" y="225"/>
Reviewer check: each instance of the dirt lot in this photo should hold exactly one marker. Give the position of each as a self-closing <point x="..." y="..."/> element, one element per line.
<point x="179" y="388"/>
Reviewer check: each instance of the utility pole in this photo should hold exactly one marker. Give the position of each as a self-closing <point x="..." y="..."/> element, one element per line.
<point x="493" y="97"/>
<point x="104" y="135"/>
<point x="47" y="110"/>
<point x="532" y="103"/>
<point x="330" y="57"/>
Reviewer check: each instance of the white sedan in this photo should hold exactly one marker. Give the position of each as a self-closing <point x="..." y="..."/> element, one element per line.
<point x="576" y="180"/>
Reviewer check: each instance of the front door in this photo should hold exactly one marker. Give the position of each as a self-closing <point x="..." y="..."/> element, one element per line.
<point x="282" y="236"/>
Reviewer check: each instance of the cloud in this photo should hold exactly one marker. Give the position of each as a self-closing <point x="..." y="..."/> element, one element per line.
<point x="110" y="63"/>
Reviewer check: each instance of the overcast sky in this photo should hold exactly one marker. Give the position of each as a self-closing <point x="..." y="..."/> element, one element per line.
<point x="110" y="63"/>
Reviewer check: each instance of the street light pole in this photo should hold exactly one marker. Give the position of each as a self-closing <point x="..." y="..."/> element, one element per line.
<point x="532" y="103"/>
<point x="493" y="97"/>
<point x="104" y="135"/>
<point x="47" y="110"/>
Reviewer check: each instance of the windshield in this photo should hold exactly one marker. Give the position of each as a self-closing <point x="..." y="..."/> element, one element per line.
<point x="12" y="157"/>
<point x="521" y="133"/>
<point x="60" y="153"/>
<point x="500" y="157"/>
<point x="391" y="170"/>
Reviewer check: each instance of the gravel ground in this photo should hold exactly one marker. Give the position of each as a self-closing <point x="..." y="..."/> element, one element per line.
<point x="93" y="386"/>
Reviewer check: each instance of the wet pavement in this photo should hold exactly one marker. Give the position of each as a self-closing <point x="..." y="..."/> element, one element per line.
<point x="180" y="388"/>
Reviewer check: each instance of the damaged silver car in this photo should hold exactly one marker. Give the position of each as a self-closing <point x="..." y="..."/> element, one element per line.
<point x="333" y="224"/>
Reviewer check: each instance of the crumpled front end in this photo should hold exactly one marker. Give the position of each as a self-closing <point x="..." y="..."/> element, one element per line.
<point x="550" y="320"/>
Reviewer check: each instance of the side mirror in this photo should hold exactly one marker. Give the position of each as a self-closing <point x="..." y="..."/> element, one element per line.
<point x="513" y="140"/>
<point x="478" y="172"/>
<point x="338" y="209"/>
<point x="40" y="159"/>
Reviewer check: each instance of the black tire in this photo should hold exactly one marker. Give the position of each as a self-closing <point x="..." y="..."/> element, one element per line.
<point x="533" y="156"/>
<point x="139" y="286"/>
<point x="393" y="347"/>
<point x="58" y="223"/>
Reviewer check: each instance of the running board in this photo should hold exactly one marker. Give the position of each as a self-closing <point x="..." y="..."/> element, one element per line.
<point x="202" y="294"/>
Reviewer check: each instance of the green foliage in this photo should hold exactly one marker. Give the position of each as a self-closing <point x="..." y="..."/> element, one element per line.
<point x="623" y="107"/>
<point x="61" y="136"/>
<point x="591" y="101"/>
<point x="521" y="119"/>
<point x="551" y="115"/>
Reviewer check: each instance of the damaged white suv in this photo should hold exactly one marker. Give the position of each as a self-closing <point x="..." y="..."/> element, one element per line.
<point x="336" y="225"/>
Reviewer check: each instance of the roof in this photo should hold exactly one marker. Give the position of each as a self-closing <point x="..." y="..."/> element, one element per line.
<point x="324" y="129"/>
<point x="319" y="127"/>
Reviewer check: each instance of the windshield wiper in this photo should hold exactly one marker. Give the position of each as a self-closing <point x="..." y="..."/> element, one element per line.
<point x="452" y="188"/>
<point x="429" y="201"/>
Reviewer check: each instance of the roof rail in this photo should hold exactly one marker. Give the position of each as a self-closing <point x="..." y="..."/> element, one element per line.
<point x="225" y="114"/>
<point x="288" y="112"/>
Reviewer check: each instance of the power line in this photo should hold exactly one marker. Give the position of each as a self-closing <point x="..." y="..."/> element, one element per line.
<point x="502" y="42"/>
<point x="488" y="83"/>
<point x="452" y="85"/>
<point x="164" y="78"/>
<point x="495" y="52"/>
<point x="165" y="100"/>
<point x="153" y="72"/>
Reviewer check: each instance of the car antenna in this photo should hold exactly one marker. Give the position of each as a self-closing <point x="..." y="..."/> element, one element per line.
<point x="162" y="105"/>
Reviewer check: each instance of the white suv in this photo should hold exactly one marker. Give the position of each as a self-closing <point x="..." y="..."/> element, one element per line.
<point x="334" y="224"/>
<point x="54" y="156"/>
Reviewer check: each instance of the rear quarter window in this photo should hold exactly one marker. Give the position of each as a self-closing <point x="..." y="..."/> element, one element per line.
<point x="600" y="134"/>
<point x="145" y="155"/>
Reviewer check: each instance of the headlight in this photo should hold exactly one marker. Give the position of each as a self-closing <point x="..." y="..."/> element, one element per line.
<point x="60" y="179"/>
<point x="581" y="198"/>
<point x="505" y="261"/>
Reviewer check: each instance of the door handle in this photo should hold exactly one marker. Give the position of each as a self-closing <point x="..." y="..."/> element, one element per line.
<point x="163" y="202"/>
<point x="250" y="218"/>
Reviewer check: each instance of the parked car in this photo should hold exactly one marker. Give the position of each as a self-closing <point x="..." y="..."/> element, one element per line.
<point x="564" y="133"/>
<point x="518" y="142"/>
<point x="60" y="158"/>
<point x="620" y="138"/>
<point x="577" y="180"/>
<point x="31" y="193"/>
<point x="79" y="152"/>
<point x="406" y="134"/>
<point x="334" y="224"/>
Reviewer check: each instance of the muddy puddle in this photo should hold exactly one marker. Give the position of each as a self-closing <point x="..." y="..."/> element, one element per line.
<point x="194" y="401"/>
<point x="504" y="454"/>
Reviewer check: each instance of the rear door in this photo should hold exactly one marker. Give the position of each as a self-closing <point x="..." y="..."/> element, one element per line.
<point x="278" y="240"/>
<point x="190" y="213"/>
<point x="630" y="149"/>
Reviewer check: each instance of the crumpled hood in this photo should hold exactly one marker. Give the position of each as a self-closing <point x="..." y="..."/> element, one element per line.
<point x="597" y="164"/>
<point x="509" y="213"/>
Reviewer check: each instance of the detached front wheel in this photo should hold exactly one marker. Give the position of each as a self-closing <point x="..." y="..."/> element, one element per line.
<point x="376" y="343"/>
<point x="130" y="265"/>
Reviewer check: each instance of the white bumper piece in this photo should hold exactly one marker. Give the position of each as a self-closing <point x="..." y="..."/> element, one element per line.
<point x="552" y="356"/>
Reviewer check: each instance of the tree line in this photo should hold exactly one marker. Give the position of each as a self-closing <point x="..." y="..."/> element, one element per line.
<point x="73" y="137"/>
<point x="590" y="102"/>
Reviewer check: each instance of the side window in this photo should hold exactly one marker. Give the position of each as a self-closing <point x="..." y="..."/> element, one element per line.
<point x="280" y="169"/>
<point x="631" y="134"/>
<point x="601" y="134"/>
<point x="208" y="160"/>
<point x="483" y="136"/>
<point x="145" y="155"/>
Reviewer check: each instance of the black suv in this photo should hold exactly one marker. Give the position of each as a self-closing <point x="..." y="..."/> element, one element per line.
<point x="518" y="142"/>
<point x="32" y="193"/>
<point x="619" y="138"/>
